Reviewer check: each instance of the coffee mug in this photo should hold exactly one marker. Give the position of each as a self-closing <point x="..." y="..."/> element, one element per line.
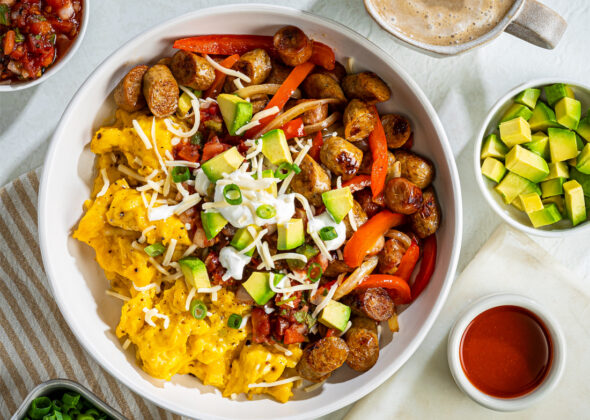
<point x="527" y="19"/>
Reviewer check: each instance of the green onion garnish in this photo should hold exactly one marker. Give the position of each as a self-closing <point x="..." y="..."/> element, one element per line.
<point x="296" y="168"/>
<point x="52" y="38"/>
<point x="232" y="194"/>
<point x="4" y="14"/>
<point x="197" y="139"/>
<point x="197" y="93"/>
<point x="314" y="272"/>
<point x="198" y="309"/>
<point x="328" y="233"/>
<point x="266" y="211"/>
<point x="18" y="36"/>
<point x="70" y="400"/>
<point x="282" y="302"/>
<point x="155" y="249"/>
<point x="283" y="170"/>
<point x="234" y="321"/>
<point x="40" y="407"/>
<point x="180" y="174"/>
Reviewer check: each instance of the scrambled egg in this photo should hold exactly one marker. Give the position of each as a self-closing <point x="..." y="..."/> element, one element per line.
<point x="208" y="349"/>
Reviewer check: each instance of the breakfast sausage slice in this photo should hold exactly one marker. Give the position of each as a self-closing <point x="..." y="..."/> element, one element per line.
<point x="192" y="70"/>
<point x="278" y="73"/>
<point x="255" y="64"/>
<point x="359" y="215"/>
<point x="128" y="94"/>
<point x="341" y="157"/>
<point x="293" y="45"/>
<point x="321" y="358"/>
<point x="359" y="120"/>
<point x="314" y="115"/>
<point x="160" y="91"/>
<point x="337" y="73"/>
<point x="321" y="86"/>
<point x="312" y="181"/>
<point x="397" y="130"/>
<point x="366" y="86"/>
<point x="373" y="302"/>
<point x="425" y="221"/>
<point x="402" y="196"/>
<point x="391" y="256"/>
<point x="416" y="169"/>
<point x="363" y="344"/>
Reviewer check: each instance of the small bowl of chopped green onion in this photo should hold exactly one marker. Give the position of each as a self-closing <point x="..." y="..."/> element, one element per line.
<point x="532" y="157"/>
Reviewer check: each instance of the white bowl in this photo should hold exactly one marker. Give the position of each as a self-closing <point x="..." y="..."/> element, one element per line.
<point x="61" y="62"/>
<point x="79" y="284"/>
<point x="506" y="404"/>
<point x="509" y="213"/>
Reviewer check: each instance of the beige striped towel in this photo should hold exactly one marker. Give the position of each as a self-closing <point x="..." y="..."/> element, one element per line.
<point x="35" y="342"/>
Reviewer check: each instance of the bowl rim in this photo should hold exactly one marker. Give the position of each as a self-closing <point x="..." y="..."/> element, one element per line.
<point x="216" y="11"/>
<point x="481" y="182"/>
<point x="53" y="69"/>
<point x="478" y="307"/>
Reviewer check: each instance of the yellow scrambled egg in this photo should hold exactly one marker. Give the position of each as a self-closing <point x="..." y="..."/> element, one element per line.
<point x="208" y="349"/>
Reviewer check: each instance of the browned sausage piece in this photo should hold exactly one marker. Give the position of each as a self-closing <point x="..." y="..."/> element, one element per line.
<point x="160" y="91"/>
<point x="360" y="217"/>
<point x="341" y="157"/>
<point x="337" y="73"/>
<point x="337" y="267"/>
<point x="255" y="64"/>
<point x="397" y="130"/>
<point x="192" y="70"/>
<point x="359" y="120"/>
<point x="165" y="61"/>
<point x="314" y="115"/>
<point x="366" y="86"/>
<point x="374" y="303"/>
<point x="363" y="344"/>
<point x="320" y="86"/>
<point x="312" y="181"/>
<point x="293" y="45"/>
<point x="415" y="169"/>
<point x="278" y="73"/>
<point x="391" y="256"/>
<point x="425" y="221"/>
<point x="402" y="196"/>
<point x="258" y="102"/>
<point x="128" y="94"/>
<point x="321" y="358"/>
<point x="365" y="199"/>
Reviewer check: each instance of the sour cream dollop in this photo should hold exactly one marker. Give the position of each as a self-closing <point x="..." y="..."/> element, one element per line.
<point x="233" y="261"/>
<point x="325" y="220"/>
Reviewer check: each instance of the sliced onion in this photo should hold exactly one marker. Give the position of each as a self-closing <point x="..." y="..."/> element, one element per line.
<point x="313" y="128"/>
<point x="267" y="89"/>
<point x="400" y="236"/>
<point x="356" y="277"/>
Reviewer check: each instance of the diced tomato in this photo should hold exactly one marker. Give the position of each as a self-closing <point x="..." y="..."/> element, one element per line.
<point x="40" y="27"/>
<point x="55" y="3"/>
<point x="212" y="148"/>
<point x="292" y="335"/>
<point x="260" y="325"/>
<point x="9" y="42"/>
<point x="62" y="26"/>
<point x="188" y="151"/>
<point x="316" y="145"/>
<point x="279" y="326"/>
<point x="47" y="57"/>
<point x="293" y="128"/>
<point x="331" y="332"/>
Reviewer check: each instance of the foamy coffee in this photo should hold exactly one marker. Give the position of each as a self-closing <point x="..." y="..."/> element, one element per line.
<point x="443" y="22"/>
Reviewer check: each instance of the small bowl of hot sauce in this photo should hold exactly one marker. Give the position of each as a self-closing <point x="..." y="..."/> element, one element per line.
<point x="506" y="352"/>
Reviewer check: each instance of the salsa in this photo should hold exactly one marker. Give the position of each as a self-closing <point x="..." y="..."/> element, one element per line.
<point x="34" y="34"/>
<point x="506" y="351"/>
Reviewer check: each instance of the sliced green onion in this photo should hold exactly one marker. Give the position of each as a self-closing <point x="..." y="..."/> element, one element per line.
<point x="197" y="93"/>
<point x="57" y="405"/>
<point x="180" y="174"/>
<point x="296" y="168"/>
<point x="234" y="321"/>
<point x="197" y="139"/>
<point x="232" y="194"/>
<point x="314" y="272"/>
<point x="40" y="407"/>
<point x="266" y="211"/>
<point x="84" y="417"/>
<point x="198" y="309"/>
<point x="18" y="36"/>
<point x="4" y="20"/>
<point x="155" y="249"/>
<point x="328" y="233"/>
<point x="283" y="170"/>
<point x="282" y="302"/>
<point x="52" y="38"/>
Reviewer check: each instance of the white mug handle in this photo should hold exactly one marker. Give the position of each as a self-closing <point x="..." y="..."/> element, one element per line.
<point x="537" y="24"/>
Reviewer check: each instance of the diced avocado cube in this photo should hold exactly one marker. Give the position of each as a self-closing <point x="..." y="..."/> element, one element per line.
<point x="583" y="180"/>
<point x="527" y="164"/>
<point x="517" y="204"/>
<point x="555" y="92"/>
<point x="584" y="128"/>
<point x="195" y="272"/>
<point x="574" y="202"/>
<point x="579" y="143"/>
<point x="225" y="162"/>
<point x="290" y="234"/>
<point x="558" y="170"/>
<point x="335" y="315"/>
<point x="338" y="202"/>
<point x="539" y="145"/>
<point x="562" y="144"/>
<point x="235" y="111"/>
<point x="213" y="222"/>
<point x="515" y="111"/>
<point x="528" y="97"/>
<point x="552" y="187"/>
<point x="546" y="216"/>
<point x="543" y="118"/>
<point x="275" y="147"/>
<point x="530" y="202"/>
<point x="493" y="147"/>
<point x="513" y="185"/>
<point x="558" y="201"/>
<point x="258" y="286"/>
<point x="568" y="112"/>
<point x="493" y="169"/>
<point x="242" y="238"/>
<point x="516" y="131"/>
<point x="583" y="160"/>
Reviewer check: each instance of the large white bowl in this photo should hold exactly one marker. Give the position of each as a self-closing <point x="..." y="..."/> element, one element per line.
<point x="79" y="285"/>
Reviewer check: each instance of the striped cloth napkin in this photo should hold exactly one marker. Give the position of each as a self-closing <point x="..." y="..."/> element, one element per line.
<point x="35" y="342"/>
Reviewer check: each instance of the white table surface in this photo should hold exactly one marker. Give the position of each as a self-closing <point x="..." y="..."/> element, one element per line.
<point x="462" y="88"/>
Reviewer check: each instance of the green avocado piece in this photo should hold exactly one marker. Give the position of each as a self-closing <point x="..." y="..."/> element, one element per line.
<point x="335" y="315"/>
<point x="517" y="110"/>
<point x="552" y="187"/>
<point x="290" y="234"/>
<point x="583" y="160"/>
<point x="513" y="185"/>
<point x="517" y="204"/>
<point x="258" y="286"/>
<point x="584" y="127"/>
<point x="493" y="147"/>
<point x="515" y="131"/>
<point x="275" y="147"/>
<point x="195" y="272"/>
<point x="530" y="202"/>
<point x="528" y="97"/>
<point x="308" y="250"/>
<point x="574" y="202"/>
<point x="235" y="111"/>
<point x="562" y="144"/>
<point x="555" y="92"/>
<point x="568" y="112"/>
<point x="579" y="143"/>
<point x="242" y="238"/>
<point x="558" y="170"/>
<point x="582" y="179"/>
<point x="558" y="201"/>
<point x="213" y="222"/>
<point x="539" y="145"/>
<point x="543" y="118"/>
<point x="527" y="164"/>
<point x="268" y="173"/>
<point x="225" y="162"/>
<point x="493" y="169"/>
<point x="546" y="216"/>
<point x="338" y="202"/>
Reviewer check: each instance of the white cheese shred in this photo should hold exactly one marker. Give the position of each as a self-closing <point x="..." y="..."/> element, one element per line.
<point x="147" y="287"/>
<point x="126" y="344"/>
<point x="169" y="252"/>
<point x="186" y="163"/>
<point x="151" y="313"/>
<point x="298" y="160"/>
<point x="189" y="298"/>
<point x="192" y="131"/>
<point x="127" y="171"/>
<point x="142" y="238"/>
<point x="189" y="250"/>
<point x="141" y="134"/>
<point x="158" y="267"/>
<point x="227" y="71"/>
<point x="277" y="383"/>
<point x="155" y="141"/>
<point x="283" y="349"/>
<point x="326" y="300"/>
<point x="106" y="183"/>
<point x="348" y="325"/>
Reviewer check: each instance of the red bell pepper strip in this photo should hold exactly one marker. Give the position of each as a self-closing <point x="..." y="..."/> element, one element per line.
<point x="293" y="128"/>
<point x="292" y="335"/>
<point x="292" y="82"/>
<point x="408" y="262"/>
<point x="367" y="235"/>
<point x="316" y="145"/>
<point x="378" y="145"/>
<point x="358" y="183"/>
<point x="322" y="55"/>
<point x="397" y="287"/>
<point x="217" y="85"/>
<point x="426" y="267"/>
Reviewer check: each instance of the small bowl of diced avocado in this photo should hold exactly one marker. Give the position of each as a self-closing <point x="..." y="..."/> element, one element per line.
<point x="532" y="157"/>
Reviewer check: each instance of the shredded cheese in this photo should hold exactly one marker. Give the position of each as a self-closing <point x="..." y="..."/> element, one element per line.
<point x="141" y="135"/>
<point x="313" y="387"/>
<point x="256" y="241"/>
<point x="265" y="113"/>
<point x="348" y="325"/>
<point x="142" y="238"/>
<point x="174" y="141"/>
<point x="151" y="313"/>
<point x="189" y="250"/>
<point x="326" y="300"/>
<point x="339" y="182"/>
<point x="290" y="256"/>
<point x="289" y="289"/>
<point x="189" y="92"/>
<point x="126" y="344"/>
<point x="152" y="175"/>
<point x="154" y="140"/>
<point x="169" y="252"/>
<point x="192" y="131"/>
<point x="117" y="295"/>
<point x="283" y="349"/>
<point x="244" y="321"/>
<point x="187" y="203"/>
<point x="227" y="71"/>
<point x="238" y="84"/>
<point x="148" y="287"/>
<point x="127" y="171"/>
<point x="189" y="298"/>
<point x="276" y="383"/>
<point x="187" y="163"/>
<point x="352" y="220"/>
<point x="158" y="267"/>
<point x="181" y="189"/>
<point x="246" y="127"/>
<point x="298" y="160"/>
